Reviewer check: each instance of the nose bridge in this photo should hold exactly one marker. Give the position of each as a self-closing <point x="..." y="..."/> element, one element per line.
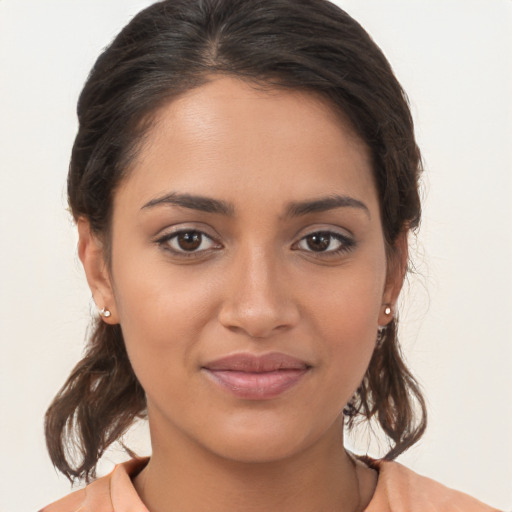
<point x="258" y="276"/>
<point x="257" y="298"/>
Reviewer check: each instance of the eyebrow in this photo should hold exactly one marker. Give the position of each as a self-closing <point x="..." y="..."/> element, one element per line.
<point x="322" y="204"/>
<point x="293" y="209"/>
<point x="193" y="202"/>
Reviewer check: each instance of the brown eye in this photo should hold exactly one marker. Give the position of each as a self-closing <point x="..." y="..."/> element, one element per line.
<point x="189" y="241"/>
<point x="327" y="242"/>
<point x="318" y="241"/>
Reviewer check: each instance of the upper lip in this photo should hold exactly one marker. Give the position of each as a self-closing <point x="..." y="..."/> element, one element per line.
<point x="257" y="363"/>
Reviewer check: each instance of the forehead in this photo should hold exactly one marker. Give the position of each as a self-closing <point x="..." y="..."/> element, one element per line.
<point x="228" y="138"/>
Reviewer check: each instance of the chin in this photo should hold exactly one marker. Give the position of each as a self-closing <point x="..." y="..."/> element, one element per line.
<point x="266" y="441"/>
<point x="258" y="449"/>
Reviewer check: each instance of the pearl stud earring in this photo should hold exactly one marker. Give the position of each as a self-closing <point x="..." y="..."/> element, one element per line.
<point x="105" y="313"/>
<point x="387" y="310"/>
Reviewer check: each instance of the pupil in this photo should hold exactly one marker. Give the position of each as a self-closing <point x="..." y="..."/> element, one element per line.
<point x="189" y="241"/>
<point x="318" y="242"/>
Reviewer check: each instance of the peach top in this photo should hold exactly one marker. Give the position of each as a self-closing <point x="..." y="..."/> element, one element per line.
<point x="398" y="490"/>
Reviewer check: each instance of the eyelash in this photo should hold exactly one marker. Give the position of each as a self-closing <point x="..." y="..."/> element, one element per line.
<point x="165" y="241"/>
<point x="346" y="243"/>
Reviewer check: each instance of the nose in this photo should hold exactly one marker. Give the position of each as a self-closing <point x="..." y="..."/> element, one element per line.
<point x="258" y="297"/>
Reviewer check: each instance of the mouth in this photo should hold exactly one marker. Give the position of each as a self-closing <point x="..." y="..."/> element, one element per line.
<point x="257" y="377"/>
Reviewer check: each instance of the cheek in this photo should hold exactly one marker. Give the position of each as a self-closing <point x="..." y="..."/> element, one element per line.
<point x="347" y="300"/>
<point x="344" y="316"/>
<point x="349" y="341"/>
<point x="162" y="312"/>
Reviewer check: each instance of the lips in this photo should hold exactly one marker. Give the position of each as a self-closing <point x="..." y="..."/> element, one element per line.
<point x="255" y="377"/>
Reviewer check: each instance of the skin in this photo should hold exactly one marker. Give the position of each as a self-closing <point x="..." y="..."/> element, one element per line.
<point x="255" y="284"/>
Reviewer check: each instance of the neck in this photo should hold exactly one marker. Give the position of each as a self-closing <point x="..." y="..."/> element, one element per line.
<point x="184" y="476"/>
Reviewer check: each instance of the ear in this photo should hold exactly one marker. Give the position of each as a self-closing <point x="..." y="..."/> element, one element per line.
<point x="397" y="267"/>
<point x="92" y="255"/>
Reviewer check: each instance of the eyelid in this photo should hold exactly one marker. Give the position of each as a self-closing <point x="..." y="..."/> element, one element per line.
<point x="347" y="241"/>
<point x="324" y="227"/>
<point x="163" y="239"/>
<point x="182" y="227"/>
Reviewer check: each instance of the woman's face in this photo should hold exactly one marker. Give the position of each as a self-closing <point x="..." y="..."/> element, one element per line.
<point x="248" y="270"/>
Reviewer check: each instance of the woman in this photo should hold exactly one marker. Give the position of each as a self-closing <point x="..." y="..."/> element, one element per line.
<point x="244" y="180"/>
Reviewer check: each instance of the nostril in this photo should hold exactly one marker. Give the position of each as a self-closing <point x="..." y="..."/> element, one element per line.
<point x="257" y="323"/>
<point x="256" y="298"/>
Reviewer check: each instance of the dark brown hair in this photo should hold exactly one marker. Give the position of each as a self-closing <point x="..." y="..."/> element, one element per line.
<point x="172" y="47"/>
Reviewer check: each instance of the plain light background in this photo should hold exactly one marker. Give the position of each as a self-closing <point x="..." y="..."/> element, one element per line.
<point x="454" y="59"/>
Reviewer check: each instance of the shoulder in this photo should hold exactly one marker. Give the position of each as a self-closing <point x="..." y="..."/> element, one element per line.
<point x="112" y="492"/>
<point x="71" y="503"/>
<point x="400" y="489"/>
<point x="95" y="497"/>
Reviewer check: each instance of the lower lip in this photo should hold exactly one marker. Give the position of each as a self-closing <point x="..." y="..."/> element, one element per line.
<point x="257" y="385"/>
